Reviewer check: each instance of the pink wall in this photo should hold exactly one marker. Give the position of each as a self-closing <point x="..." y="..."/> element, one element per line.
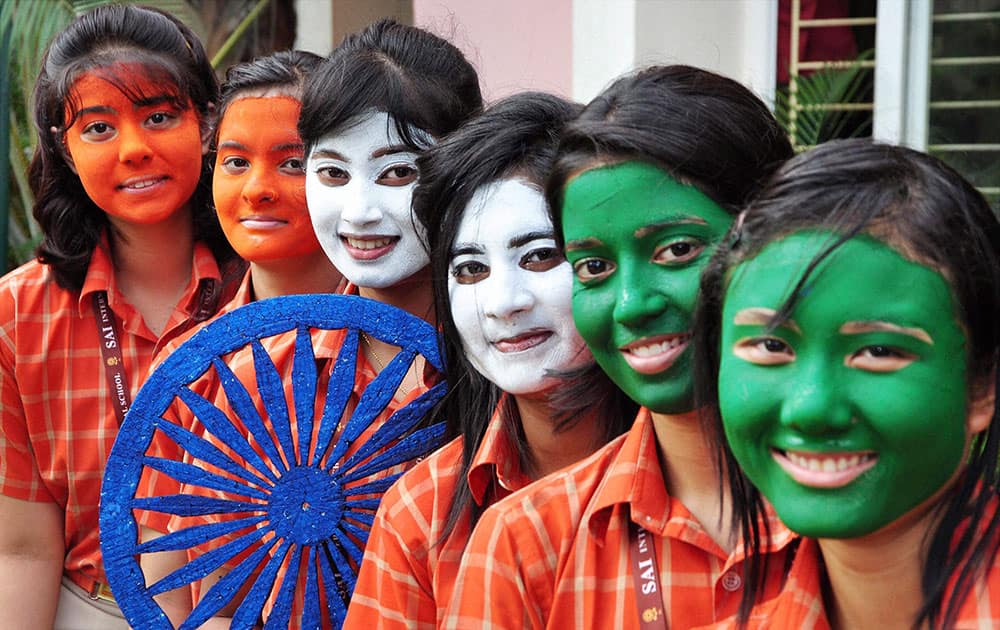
<point x="515" y="45"/>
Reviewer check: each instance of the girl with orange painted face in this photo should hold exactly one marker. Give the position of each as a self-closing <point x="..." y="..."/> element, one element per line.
<point x="131" y="256"/>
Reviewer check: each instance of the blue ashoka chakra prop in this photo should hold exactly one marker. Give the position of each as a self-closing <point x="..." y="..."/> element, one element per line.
<point x="291" y="475"/>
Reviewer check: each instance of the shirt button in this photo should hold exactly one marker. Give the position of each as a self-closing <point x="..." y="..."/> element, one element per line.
<point x="731" y="582"/>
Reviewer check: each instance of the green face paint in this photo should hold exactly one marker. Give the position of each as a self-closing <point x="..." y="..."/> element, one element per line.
<point x="852" y="412"/>
<point x="637" y="240"/>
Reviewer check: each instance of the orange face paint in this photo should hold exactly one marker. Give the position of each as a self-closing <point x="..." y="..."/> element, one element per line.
<point x="138" y="160"/>
<point x="259" y="181"/>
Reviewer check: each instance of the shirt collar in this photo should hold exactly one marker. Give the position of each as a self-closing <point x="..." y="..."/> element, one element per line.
<point x="497" y="462"/>
<point x="634" y="478"/>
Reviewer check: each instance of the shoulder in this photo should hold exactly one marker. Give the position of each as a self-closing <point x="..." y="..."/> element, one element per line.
<point x="426" y="486"/>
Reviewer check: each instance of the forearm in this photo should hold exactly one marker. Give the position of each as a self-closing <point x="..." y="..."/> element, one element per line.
<point x="29" y="589"/>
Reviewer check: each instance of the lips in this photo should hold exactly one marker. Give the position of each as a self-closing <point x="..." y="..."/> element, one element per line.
<point x="523" y="341"/>
<point x="824" y="470"/>
<point x="141" y="184"/>
<point x="653" y="355"/>
<point x="262" y="222"/>
<point x="368" y="247"/>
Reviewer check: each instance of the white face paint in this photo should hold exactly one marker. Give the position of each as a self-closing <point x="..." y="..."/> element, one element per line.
<point x="511" y="290"/>
<point x="359" y="183"/>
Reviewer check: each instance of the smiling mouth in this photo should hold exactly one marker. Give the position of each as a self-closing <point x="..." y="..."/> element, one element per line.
<point x="522" y="342"/>
<point x="142" y="183"/>
<point x="368" y="248"/>
<point x="262" y="222"/>
<point x="653" y="355"/>
<point x="824" y="470"/>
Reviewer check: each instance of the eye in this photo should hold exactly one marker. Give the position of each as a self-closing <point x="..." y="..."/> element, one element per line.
<point x="879" y="358"/>
<point x="764" y="351"/>
<point x="98" y="131"/>
<point x="293" y="166"/>
<point x="161" y="120"/>
<point x="332" y="175"/>
<point x="542" y="259"/>
<point x="397" y="175"/>
<point x="470" y="272"/>
<point x="235" y="165"/>
<point x="678" y="252"/>
<point x="592" y="269"/>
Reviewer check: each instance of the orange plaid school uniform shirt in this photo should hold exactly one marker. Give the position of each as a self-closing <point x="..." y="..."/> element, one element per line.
<point x="556" y="555"/>
<point x="799" y="606"/>
<point x="408" y="572"/>
<point x="57" y="416"/>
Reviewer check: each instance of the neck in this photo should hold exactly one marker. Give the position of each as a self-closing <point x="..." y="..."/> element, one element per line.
<point x="551" y="450"/>
<point x="412" y="294"/>
<point x="691" y="475"/>
<point x="313" y="273"/>
<point x="875" y="579"/>
<point x="153" y="265"/>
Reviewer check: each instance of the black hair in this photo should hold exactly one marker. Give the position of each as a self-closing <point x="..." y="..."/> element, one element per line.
<point x="700" y="127"/>
<point x="284" y="71"/>
<point x="419" y="79"/>
<point x="108" y="35"/>
<point x="928" y="213"/>
<point x="515" y="137"/>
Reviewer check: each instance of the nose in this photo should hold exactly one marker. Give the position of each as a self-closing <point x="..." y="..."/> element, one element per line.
<point x="503" y="296"/>
<point x="815" y="403"/>
<point x="133" y="147"/>
<point x="637" y="304"/>
<point x="360" y="208"/>
<point x="259" y="190"/>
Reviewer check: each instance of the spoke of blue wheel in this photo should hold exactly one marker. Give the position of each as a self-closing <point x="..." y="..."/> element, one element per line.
<point x="401" y="421"/>
<point x="223" y="591"/>
<point x="195" y="505"/>
<point x="374" y="400"/>
<point x="272" y="393"/>
<point x="311" y="612"/>
<point x="365" y="518"/>
<point x="244" y="408"/>
<point x="218" y="424"/>
<point x="373" y="487"/>
<point x="412" y="446"/>
<point x="333" y="585"/>
<point x="206" y="563"/>
<point x="339" y="390"/>
<point x="281" y="613"/>
<point x="207" y="452"/>
<point x="191" y="537"/>
<point x="249" y="611"/>
<point x="345" y="542"/>
<point x="195" y="476"/>
<point x="304" y="390"/>
<point x="338" y="559"/>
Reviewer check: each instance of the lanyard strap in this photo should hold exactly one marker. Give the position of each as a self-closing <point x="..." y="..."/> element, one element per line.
<point x="646" y="580"/>
<point x="111" y="352"/>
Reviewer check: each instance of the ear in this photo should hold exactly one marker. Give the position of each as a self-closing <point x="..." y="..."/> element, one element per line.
<point x="981" y="408"/>
<point x="208" y="123"/>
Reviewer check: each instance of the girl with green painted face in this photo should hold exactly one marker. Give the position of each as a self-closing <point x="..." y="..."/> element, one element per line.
<point x="851" y="325"/>
<point x="646" y="182"/>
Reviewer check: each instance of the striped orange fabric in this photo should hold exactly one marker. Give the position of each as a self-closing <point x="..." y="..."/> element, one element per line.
<point x="57" y="418"/>
<point x="408" y="571"/>
<point x="556" y="555"/>
<point x="800" y="606"/>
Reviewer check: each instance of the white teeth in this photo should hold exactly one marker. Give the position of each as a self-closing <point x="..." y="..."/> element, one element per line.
<point x="659" y="348"/>
<point x="827" y="464"/>
<point x="367" y="244"/>
<point x="141" y="185"/>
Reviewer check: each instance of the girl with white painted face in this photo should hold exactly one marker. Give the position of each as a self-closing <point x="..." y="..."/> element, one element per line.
<point x="503" y="291"/>
<point x="381" y="99"/>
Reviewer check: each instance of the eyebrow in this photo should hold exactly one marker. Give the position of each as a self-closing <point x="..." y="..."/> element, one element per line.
<point x="861" y="327"/>
<point x="329" y="153"/>
<point x="527" y="237"/>
<point x="760" y="316"/>
<point x="288" y="146"/>
<point x="96" y="109"/>
<point x="671" y="222"/>
<point x="584" y="243"/>
<point x="154" y="100"/>
<point x="461" y="249"/>
<point x="391" y="150"/>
